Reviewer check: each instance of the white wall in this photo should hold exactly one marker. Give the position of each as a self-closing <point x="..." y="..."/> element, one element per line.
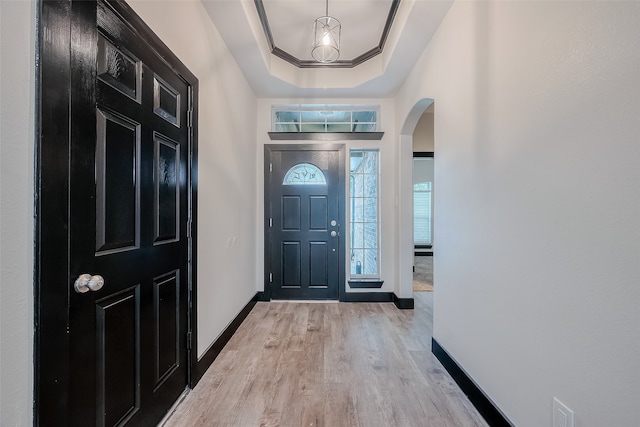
<point x="226" y="176"/>
<point x="538" y="203"/>
<point x="17" y="95"/>
<point x="423" y="134"/>
<point x="388" y="171"/>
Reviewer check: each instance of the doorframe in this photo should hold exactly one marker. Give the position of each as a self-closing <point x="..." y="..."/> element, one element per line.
<point x="341" y="149"/>
<point x="52" y="286"/>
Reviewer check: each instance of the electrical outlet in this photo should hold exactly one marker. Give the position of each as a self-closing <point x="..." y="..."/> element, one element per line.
<point x="562" y="416"/>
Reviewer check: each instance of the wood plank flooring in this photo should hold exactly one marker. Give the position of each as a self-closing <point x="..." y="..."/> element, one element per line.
<point x="332" y="365"/>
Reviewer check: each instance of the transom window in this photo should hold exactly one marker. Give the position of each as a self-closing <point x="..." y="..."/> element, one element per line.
<point x="364" y="221"/>
<point x="324" y="118"/>
<point x="305" y="174"/>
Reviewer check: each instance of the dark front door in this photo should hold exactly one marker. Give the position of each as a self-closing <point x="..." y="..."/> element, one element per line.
<point x="305" y="211"/>
<point x="124" y="360"/>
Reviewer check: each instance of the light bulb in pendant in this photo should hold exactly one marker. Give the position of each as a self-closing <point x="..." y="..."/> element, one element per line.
<point x="326" y="38"/>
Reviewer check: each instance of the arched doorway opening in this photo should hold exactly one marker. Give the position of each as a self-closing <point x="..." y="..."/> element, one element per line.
<point x="405" y="224"/>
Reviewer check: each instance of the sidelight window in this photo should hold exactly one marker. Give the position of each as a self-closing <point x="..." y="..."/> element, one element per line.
<point x="364" y="219"/>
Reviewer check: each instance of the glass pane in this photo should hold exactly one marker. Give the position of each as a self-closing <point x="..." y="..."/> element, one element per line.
<point x="422" y="186"/>
<point x="312" y="127"/>
<point x="305" y="174"/>
<point x="286" y="116"/>
<point x="370" y="162"/>
<point x="370" y="262"/>
<point x="358" y="185"/>
<point x="370" y="187"/>
<point x="286" y="127"/>
<point x="370" y="210"/>
<point x="355" y="161"/>
<point x="312" y="116"/>
<point x="364" y="116"/>
<point x="357" y="258"/>
<point x="358" y="209"/>
<point x="370" y="235"/>
<point x="339" y="117"/>
<point x="366" y="127"/>
<point x="358" y="235"/>
<point x="334" y="127"/>
<point x="422" y="217"/>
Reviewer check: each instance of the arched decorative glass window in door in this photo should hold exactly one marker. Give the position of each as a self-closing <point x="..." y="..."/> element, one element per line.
<point x="304" y="174"/>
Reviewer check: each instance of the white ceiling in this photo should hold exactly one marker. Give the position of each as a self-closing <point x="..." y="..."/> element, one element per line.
<point x="291" y="24"/>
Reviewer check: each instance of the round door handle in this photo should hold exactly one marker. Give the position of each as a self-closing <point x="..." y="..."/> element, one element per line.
<point x="96" y="283"/>
<point x="334" y="234"/>
<point x="86" y="282"/>
<point x="82" y="283"/>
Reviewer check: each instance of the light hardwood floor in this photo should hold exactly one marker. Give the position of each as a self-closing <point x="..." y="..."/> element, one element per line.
<point x="329" y="364"/>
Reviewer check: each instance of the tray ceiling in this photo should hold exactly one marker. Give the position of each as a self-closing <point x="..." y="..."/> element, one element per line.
<point x="290" y="23"/>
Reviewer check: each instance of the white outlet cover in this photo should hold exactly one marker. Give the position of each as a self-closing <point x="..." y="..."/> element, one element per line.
<point x="562" y="415"/>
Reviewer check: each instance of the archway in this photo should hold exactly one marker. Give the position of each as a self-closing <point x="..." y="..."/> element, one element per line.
<point x="405" y="181"/>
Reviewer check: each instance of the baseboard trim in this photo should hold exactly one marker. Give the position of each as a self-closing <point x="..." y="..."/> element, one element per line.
<point x="214" y="350"/>
<point x="368" y="297"/>
<point x="261" y="296"/>
<point x="489" y="411"/>
<point x="403" y="303"/>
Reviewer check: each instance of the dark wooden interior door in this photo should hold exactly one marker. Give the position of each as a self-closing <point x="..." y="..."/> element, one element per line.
<point x="305" y="211"/>
<point x="129" y="147"/>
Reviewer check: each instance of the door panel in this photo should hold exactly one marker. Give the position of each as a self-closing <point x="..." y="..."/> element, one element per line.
<point x="318" y="219"/>
<point x="291" y="265"/>
<point x="118" y="357"/>
<point x="167" y="189"/>
<point x="304" y="194"/>
<point x="166" y="302"/>
<point x="117" y="178"/>
<point x="119" y="69"/>
<point x="318" y="265"/>
<point x="291" y="213"/>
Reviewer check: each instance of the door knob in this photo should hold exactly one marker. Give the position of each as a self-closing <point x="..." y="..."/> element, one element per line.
<point x="86" y="282"/>
<point x="96" y="283"/>
<point x="334" y="234"/>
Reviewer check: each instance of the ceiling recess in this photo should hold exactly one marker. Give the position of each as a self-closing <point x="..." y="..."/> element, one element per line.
<point x="341" y="63"/>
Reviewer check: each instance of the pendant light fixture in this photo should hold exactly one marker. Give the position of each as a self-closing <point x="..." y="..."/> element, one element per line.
<point x="326" y="38"/>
